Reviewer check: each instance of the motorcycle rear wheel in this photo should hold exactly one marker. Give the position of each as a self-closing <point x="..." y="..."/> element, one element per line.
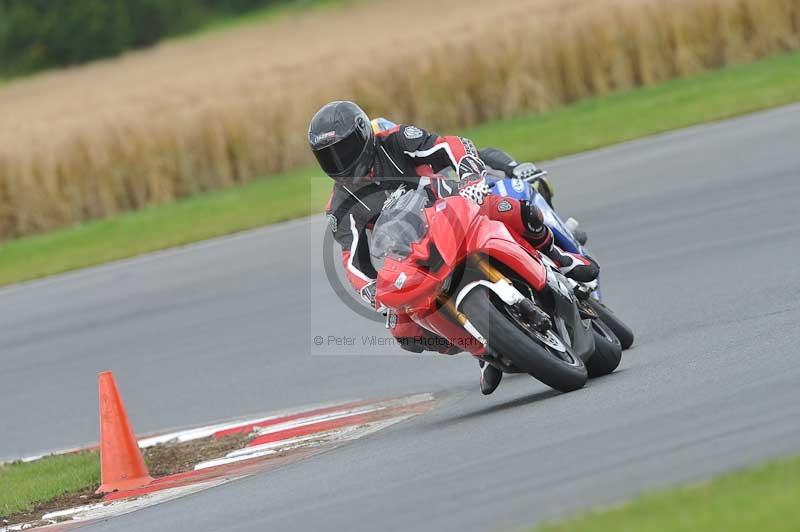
<point x="607" y="351"/>
<point x="621" y="331"/>
<point x="508" y="336"/>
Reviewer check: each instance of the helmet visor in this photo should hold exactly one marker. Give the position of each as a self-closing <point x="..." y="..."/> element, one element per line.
<point x="338" y="159"/>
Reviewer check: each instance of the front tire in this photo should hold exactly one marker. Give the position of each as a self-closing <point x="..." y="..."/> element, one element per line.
<point x="607" y="351"/>
<point x="621" y="331"/>
<point x="510" y="338"/>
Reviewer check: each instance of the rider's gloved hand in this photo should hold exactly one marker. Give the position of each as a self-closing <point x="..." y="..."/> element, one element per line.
<point x="524" y="171"/>
<point x="469" y="165"/>
<point x="368" y="293"/>
<point x="473" y="187"/>
<point x="540" y="184"/>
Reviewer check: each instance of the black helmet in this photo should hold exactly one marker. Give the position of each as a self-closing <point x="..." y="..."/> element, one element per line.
<point x="340" y="135"/>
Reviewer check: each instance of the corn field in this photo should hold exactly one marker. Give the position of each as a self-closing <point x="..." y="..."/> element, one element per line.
<point x="221" y="109"/>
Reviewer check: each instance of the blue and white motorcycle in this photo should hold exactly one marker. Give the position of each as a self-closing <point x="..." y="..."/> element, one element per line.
<point x="568" y="237"/>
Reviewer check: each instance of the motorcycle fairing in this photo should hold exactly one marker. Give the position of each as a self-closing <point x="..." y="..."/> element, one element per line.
<point x="493" y="238"/>
<point x="440" y="324"/>
<point x="406" y="286"/>
<point x="448" y="227"/>
<point x="512" y="188"/>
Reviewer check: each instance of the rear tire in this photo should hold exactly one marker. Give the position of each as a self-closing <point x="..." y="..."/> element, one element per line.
<point x="514" y="341"/>
<point x="621" y="331"/>
<point x="607" y="351"/>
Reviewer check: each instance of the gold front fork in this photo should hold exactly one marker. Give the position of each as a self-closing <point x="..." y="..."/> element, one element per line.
<point x="491" y="273"/>
<point x="450" y="307"/>
<point x="487" y="269"/>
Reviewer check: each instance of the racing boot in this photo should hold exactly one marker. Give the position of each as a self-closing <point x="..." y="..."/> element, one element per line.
<point x="581" y="268"/>
<point x="527" y="221"/>
<point x="490" y="377"/>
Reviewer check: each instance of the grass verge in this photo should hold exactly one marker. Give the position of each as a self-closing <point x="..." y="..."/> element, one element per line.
<point x="30" y="489"/>
<point x="586" y="125"/>
<point x="763" y="499"/>
<point x="23" y="485"/>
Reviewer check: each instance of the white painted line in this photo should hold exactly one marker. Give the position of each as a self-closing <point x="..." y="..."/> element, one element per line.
<point x="266" y="449"/>
<point x="225" y="461"/>
<point x="375" y="426"/>
<point x="198" y="433"/>
<point x="316" y="439"/>
<point x="23" y="526"/>
<point x="302" y="422"/>
<point x="277" y="445"/>
<point x="319" y="438"/>
<point x="73" y="511"/>
<point x="331" y="416"/>
<point x="209" y="430"/>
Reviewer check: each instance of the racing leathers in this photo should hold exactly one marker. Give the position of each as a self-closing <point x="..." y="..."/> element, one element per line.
<point x="404" y="155"/>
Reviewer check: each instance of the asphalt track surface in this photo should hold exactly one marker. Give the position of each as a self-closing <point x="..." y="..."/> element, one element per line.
<point x="699" y="237"/>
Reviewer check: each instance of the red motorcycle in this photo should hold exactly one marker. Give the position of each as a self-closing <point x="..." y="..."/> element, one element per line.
<point x="468" y="279"/>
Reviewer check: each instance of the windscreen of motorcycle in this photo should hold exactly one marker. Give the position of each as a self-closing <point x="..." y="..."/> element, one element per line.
<point x="399" y="225"/>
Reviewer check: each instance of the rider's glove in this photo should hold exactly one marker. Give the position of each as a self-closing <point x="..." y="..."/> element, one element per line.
<point x="368" y="293"/>
<point x="524" y="171"/>
<point x="474" y="188"/>
<point x="540" y="183"/>
<point x="468" y="165"/>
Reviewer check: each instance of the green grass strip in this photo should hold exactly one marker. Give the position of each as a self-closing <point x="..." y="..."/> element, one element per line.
<point x="586" y="125"/>
<point x="764" y="499"/>
<point x="22" y="485"/>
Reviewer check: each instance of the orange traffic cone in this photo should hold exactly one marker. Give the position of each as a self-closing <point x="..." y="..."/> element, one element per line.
<point x="121" y="464"/>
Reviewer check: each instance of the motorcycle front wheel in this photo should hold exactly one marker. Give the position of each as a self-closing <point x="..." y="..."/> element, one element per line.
<point x="544" y="356"/>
